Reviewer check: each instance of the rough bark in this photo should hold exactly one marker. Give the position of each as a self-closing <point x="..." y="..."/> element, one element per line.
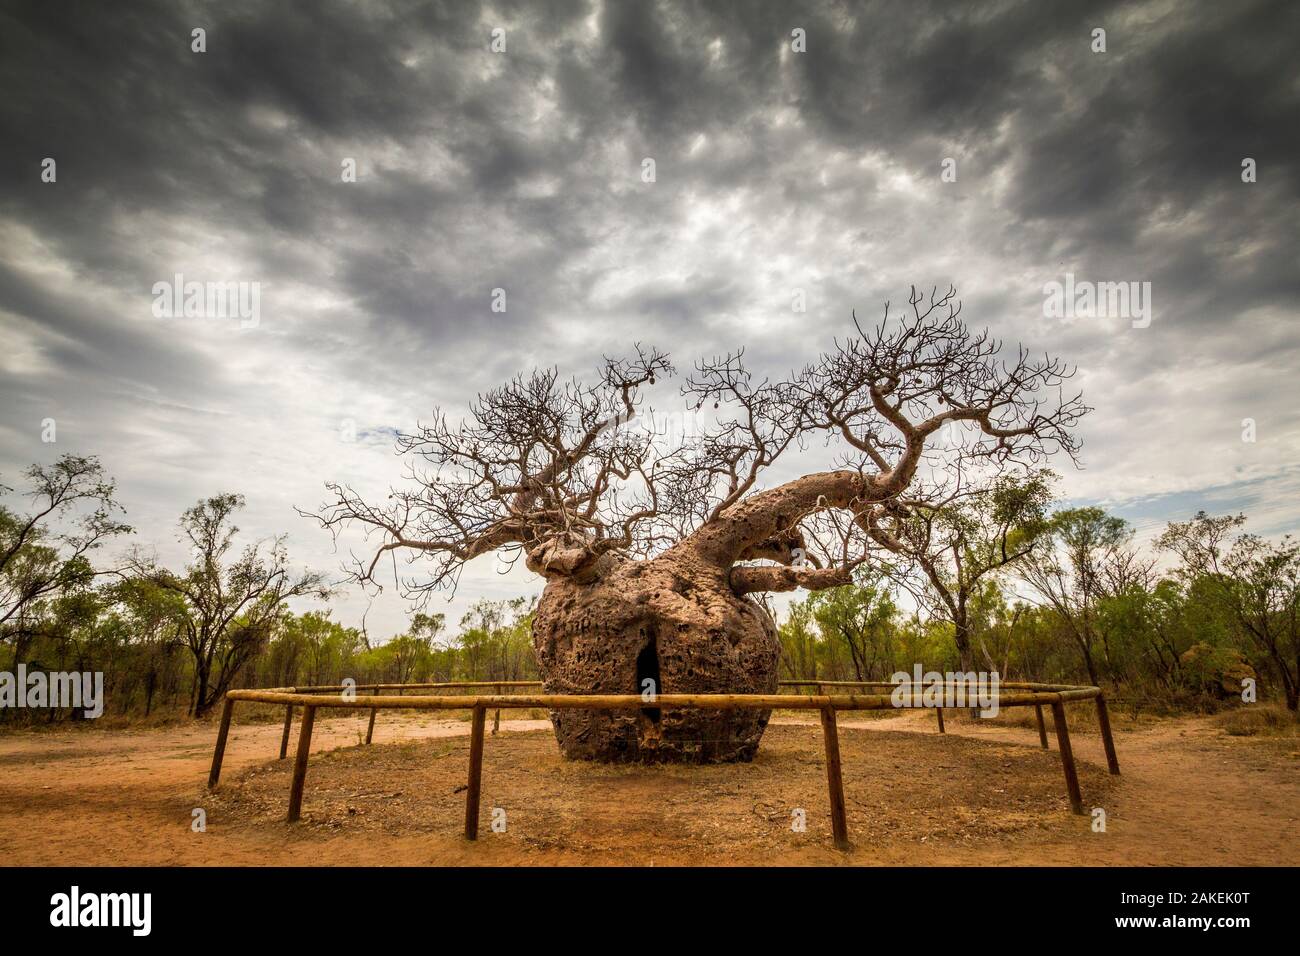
<point x="961" y="634"/>
<point x="684" y="620"/>
<point x="674" y="620"/>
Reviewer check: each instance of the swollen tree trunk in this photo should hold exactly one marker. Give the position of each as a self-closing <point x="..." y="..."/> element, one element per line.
<point x="675" y="621"/>
<point x="684" y="621"/>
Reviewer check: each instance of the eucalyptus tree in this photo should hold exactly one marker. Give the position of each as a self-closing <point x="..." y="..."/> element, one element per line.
<point x="45" y="550"/>
<point x="1256" y="580"/>
<point x="1087" y="561"/>
<point x="949" y="549"/>
<point x="230" y="599"/>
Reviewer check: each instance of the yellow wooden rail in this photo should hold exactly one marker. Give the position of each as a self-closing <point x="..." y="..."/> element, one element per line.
<point x="1009" y="694"/>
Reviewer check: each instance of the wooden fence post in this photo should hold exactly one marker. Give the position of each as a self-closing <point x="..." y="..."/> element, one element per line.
<point x="300" y="762"/>
<point x="1103" y="718"/>
<point x="370" y="728"/>
<point x="496" y="719"/>
<point x="475" y="773"/>
<point x="284" y="737"/>
<point x="835" y="778"/>
<point x="1042" y="727"/>
<point x="219" y="754"/>
<point x="939" y="712"/>
<point x="1067" y="756"/>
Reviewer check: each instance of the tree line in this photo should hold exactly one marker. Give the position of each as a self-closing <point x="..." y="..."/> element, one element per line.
<point x="999" y="580"/>
<point x="993" y="577"/>
<point x="177" y="639"/>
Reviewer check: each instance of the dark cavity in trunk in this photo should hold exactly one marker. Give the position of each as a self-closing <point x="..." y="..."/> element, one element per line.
<point x="647" y="668"/>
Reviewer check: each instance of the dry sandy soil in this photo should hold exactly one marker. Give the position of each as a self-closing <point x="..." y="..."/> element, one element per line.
<point x="982" y="794"/>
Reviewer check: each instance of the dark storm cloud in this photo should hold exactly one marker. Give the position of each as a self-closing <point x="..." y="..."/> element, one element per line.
<point x="775" y="171"/>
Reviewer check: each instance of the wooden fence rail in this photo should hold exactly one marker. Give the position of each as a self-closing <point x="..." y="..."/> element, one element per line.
<point x="1010" y="694"/>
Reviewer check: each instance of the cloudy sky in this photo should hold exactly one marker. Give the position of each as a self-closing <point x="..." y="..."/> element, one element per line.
<point x="776" y="169"/>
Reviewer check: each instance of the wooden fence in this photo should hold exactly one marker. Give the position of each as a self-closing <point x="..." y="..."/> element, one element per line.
<point x="828" y="706"/>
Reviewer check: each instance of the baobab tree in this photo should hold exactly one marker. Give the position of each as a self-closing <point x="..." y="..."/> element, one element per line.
<point x="653" y="551"/>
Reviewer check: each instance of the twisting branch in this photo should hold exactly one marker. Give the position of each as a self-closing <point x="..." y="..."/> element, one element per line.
<point x="886" y="393"/>
<point x="541" y="466"/>
<point x="569" y="478"/>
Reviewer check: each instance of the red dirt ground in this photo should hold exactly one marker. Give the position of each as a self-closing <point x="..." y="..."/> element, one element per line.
<point x="981" y="795"/>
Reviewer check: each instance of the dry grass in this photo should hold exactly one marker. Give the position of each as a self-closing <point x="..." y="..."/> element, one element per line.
<point x="1259" y="720"/>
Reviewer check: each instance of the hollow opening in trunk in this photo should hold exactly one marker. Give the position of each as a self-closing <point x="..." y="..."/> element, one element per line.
<point x="647" y="668"/>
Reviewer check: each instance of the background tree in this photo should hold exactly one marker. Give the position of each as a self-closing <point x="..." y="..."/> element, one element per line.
<point x="230" y="603"/>
<point x="800" y="642"/>
<point x="413" y="652"/>
<point x="948" y="550"/>
<point x="1258" y="583"/>
<point x="154" y="617"/>
<point x="1086" y="560"/>
<point x="996" y="628"/>
<point x="861" y="619"/>
<point x="47" y="550"/>
<point x="320" y="646"/>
